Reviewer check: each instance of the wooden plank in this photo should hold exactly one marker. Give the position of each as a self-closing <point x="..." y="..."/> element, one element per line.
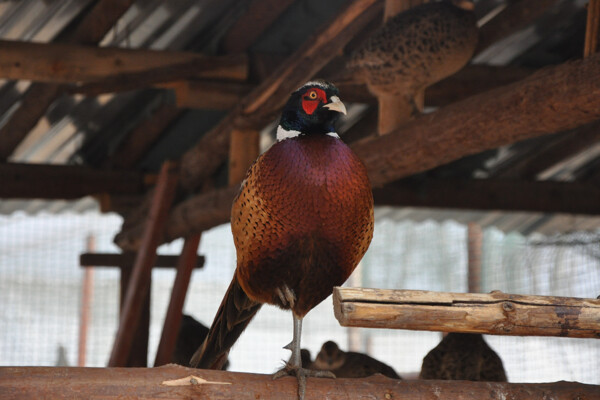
<point x="44" y="181"/>
<point x="139" y="286"/>
<point x="551" y="100"/>
<point x="493" y="194"/>
<point x="210" y="95"/>
<point x="175" y="382"/>
<point x="71" y="63"/>
<point x="185" y="266"/>
<point x="260" y="105"/>
<point x="88" y="29"/>
<point x="496" y="313"/>
<point x="257" y="18"/>
<point x="243" y="150"/>
<point x="123" y="260"/>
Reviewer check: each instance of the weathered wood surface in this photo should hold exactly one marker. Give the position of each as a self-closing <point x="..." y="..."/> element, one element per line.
<point x="551" y="100"/>
<point x="71" y="63"/>
<point x="43" y="181"/>
<point x="141" y="274"/>
<point x="125" y="260"/>
<point x="175" y="382"/>
<point x="496" y="313"/>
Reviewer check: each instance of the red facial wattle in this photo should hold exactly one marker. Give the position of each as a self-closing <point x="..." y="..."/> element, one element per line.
<point x="312" y="98"/>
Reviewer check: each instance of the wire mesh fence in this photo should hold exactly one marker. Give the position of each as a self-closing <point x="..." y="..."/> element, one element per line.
<point x="41" y="291"/>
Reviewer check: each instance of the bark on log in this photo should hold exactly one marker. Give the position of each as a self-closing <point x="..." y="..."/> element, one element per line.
<point x="551" y="100"/>
<point x="175" y="382"/>
<point x="496" y="313"/>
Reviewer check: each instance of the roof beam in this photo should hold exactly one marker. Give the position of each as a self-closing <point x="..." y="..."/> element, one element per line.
<point x="71" y="63"/>
<point x="89" y="29"/>
<point x="554" y="99"/>
<point x="40" y="181"/>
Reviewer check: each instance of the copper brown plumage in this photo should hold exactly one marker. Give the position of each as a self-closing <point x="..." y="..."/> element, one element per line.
<point x="301" y="222"/>
<point x="349" y="364"/>
<point x="463" y="356"/>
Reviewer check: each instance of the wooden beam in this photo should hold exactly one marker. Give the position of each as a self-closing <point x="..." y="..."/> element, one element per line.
<point x="496" y="313"/>
<point x="125" y="260"/>
<point x="143" y="137"/>
<point x="493" y="194"/>
<point x="209" y="94"/>
<point x="257" y="18"/>
<point x="258" y="107"/>
<point x="173" y="381"/>
<point x="592" y="28"/>
<point x="185" y="267"/>
<point x="516" y="15"/>
<point x="43" y="181"/>
<point x="551" y="100"/>
<point x="194" y="215"/>
<point x="551" y="153"/>
<point x="145" y="259"/>
<point x="71" y="63"/>
<point x="243" y="150"/>
<point x="88" y="29"/>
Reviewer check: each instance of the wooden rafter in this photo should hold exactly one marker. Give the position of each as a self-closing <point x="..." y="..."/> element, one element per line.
<point x="71" y="63"/>
<point x="40" y="181"/>
<point x="89" y="29"/>
<point x="88" y="260"/>
<point x="173" y="381"/>
<point x="552" y="100"/>
<point x="260" y="105"/>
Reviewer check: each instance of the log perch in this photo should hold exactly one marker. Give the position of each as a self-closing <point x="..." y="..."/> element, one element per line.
<point x="176" y="382"/>
<point x="495" y="313"/>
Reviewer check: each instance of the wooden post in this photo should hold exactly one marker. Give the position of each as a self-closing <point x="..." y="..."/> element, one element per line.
<point x="138" y="354"/>
<point x="139" y="285"/>
<point x="474" y="239"/>
<point x="496" y="313"/>
<point x="174" y="312"/>
<point x="592" y="28"/>
<point x="243" y="150"/>
<point x="86" y="302"/>
<point x="175" y="382"/>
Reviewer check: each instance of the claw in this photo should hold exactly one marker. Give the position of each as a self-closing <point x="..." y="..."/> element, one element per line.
<point x="301" y="374"/>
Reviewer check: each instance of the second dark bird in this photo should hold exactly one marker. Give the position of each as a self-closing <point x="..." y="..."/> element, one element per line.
<point x="301" y="222"/>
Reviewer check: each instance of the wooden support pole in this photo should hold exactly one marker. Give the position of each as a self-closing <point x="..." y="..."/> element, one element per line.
<point x="185" y="266"/>
<point x="140" y="281"/>
<point x="243" y="150"/>
<point x="138" y="354"/>
<point x="496" y="313"/>
<point x="474" y="244"/>
<point x="87" y="293"/>
<point x="176" y="382"/>
<point x="592" y="28"/>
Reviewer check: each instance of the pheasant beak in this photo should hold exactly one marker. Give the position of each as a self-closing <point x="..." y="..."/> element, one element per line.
<point x="336" y="105"/>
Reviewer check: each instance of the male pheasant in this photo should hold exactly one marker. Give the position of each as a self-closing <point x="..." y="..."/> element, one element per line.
<point x="301" y="222"/>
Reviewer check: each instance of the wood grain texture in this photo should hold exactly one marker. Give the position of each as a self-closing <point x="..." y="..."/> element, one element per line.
<point x="496" y="313"/>
<point x="173" y="381"/>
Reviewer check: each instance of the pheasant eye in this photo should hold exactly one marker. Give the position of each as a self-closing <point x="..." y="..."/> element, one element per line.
<point x="312" y="95"/>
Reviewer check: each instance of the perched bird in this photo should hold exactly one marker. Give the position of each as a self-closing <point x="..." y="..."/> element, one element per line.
<point x="350" y="364"/>
<point x="301" y="222"/>
<point x="463" y="356"/>
<point x="191" y="335"/>
<point x="411" y="51"/>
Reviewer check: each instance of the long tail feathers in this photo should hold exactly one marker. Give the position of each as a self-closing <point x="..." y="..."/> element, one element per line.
<point x="234" y="314"/>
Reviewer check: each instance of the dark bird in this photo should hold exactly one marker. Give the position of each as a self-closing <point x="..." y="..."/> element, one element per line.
<point x="463" y="356"/>
<point x="348" y="364"/>
<point x="411" y="51"/>
<point x="190" y="336"/>
<point x="301" y="222"/>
